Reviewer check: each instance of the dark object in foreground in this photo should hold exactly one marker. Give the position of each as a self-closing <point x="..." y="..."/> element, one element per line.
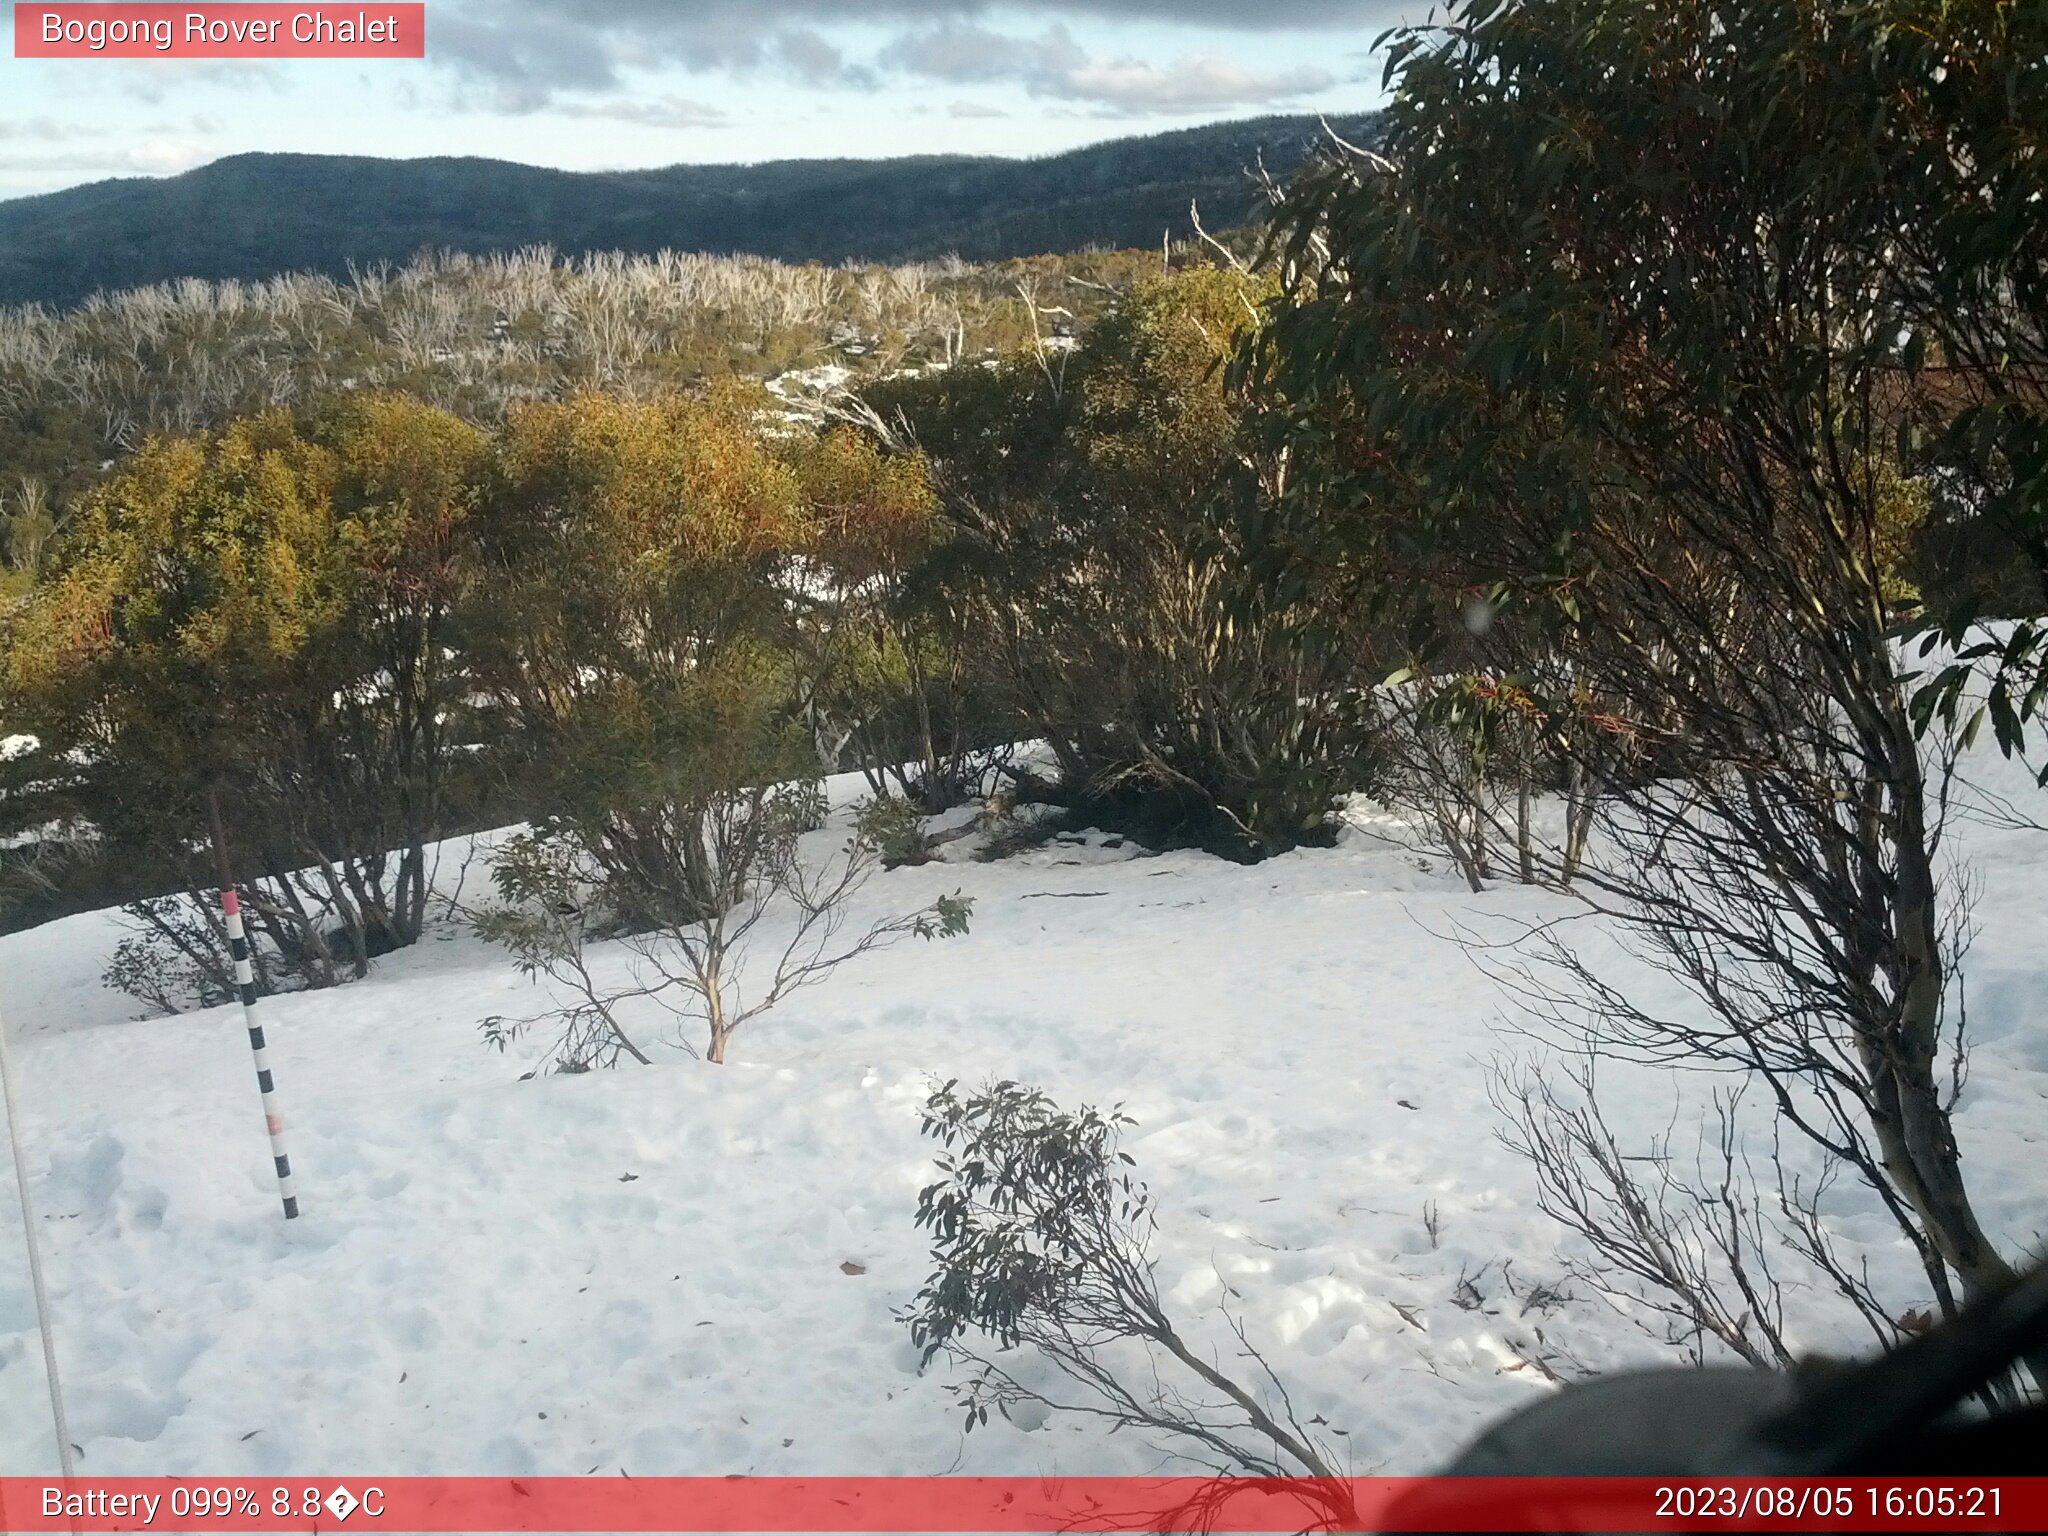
<point x="1900" y="1415"/>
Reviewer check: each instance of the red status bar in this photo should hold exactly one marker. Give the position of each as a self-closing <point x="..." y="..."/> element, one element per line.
<point x="1022" y="1504"/>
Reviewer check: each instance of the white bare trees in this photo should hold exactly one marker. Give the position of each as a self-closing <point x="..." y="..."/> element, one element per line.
<point x="473" y="333"/>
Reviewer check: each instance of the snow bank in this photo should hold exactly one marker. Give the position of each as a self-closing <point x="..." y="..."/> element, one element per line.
<point x="646" y="1269"/>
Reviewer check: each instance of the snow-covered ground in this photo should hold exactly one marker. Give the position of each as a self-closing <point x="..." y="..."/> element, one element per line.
<point x="648" y="1269"/>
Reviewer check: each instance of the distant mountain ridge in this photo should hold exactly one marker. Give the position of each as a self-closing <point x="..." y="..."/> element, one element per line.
<point x="256" y="215"/>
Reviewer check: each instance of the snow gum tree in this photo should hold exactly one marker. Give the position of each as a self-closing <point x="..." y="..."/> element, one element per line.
<point x="1617" y="331"/>
<point x="259" y="617"/>
<point x="1041" y="1246"/>
<point x="638" y="645"/>
<point x="888" y="674"/>
<point x="1099" y="503"/>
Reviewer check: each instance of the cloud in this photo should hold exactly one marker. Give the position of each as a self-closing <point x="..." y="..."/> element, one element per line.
<point x="153" y="80"/>
<point x="816" y="60"/>
<point x="1054" y="66"/>
<point x="46" y="130"/>
<point x="525" y="51"/>
<point x="652" y="16"/>
<point x="164" y="156"/>
<point x="524" y="57"/>
<point x="1192" y="84"/>
<point x="972" y="55"/>
<point x="664" y="112"/>
<point x="157" y="156"/>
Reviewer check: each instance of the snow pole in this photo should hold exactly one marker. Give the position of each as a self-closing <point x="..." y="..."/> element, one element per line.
<point x="38" y="1291"/>
<point x="245" y="984"/>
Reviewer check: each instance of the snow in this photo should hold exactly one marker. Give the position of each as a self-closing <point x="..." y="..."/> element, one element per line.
<point x="642" y="1269"/>
<point x="808" y="390"/>
<point x="824" y="379"/>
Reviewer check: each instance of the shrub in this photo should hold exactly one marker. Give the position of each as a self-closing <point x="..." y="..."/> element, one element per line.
<point x="259" y="621"/>
<point x="1098" y="558"/>
<point x="896" y="831"/>
<point x="642" y="651"/>
<point x="1041" y="1242"/>
<point x="687" y="958"/>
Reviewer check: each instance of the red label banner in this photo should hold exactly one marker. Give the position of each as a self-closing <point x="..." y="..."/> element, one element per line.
<point x="1023" y="1504"/>
<point x="116" y="31"/>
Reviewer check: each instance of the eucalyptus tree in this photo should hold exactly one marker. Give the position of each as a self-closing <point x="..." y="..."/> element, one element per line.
<point x="1613" y="330"/>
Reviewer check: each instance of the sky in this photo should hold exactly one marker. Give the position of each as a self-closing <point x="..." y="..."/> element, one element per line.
<point x="612" y="84"/>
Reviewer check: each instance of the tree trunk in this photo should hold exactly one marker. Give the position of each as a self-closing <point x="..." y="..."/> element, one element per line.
<point x="1914" y="1131"/>
<point x="414" y="903"/>
<point x="1525" y="844"/>
<point x="223" y="866"/>
<point x="1482" y="855"/>
<point x="714" y="1009"/>
<point x="1454" y="842"/>
<point x="1580" y="800"/>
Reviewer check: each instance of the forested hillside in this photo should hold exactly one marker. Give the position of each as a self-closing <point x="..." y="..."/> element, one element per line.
<point x="80" y="389"/>
<point x="253" y="216"/>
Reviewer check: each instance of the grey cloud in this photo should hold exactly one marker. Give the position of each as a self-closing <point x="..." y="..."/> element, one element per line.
<point x="665" y="112"/>
<point x="816" y="60"/>
<point x="529" y="49"/>
<point x="153" y="80"/>
<point x="653" y="16"/>
<point x="967" y="55"/>
<point x="521" y="49"/>
<point x="1054" y="66"/>
<point x="46" y="130"/>
<point x="811" y="56"/>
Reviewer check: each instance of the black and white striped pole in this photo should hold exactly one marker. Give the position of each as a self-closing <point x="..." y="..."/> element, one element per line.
<point x="245" y="985"/>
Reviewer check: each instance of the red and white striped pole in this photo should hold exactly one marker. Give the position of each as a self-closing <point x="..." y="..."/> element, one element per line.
<point x="245" y="984"/>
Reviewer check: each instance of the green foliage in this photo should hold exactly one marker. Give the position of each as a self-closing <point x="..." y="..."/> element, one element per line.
<point x="1099" y="503"/>
<point x="1563" y="284"/>
<point x="1999" y="679"/>
<point x="896" y="831"/>
<point x="546" y="894"/>
<point x="81" y="390"/>
<point x="1032" y="1206"/>
<point x="1957" y="97"/>
<point x="262" y="617"/>
<point x="633" y="635"/>
<point x="27" y="528"/>
<point x="947" y="918"/>
<point x="885" y="673"/>
<point x="1900" y="506"/>
<point x="1040" y="1245"/>
<point x="1652" y="332"/>
<point x="646" y="638"/>
<point x="198" y="575"/>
